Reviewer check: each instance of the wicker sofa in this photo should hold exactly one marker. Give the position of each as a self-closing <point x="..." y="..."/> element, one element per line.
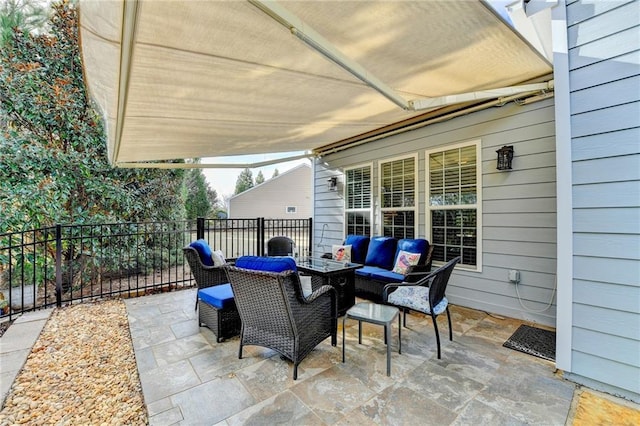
<point x="389" y="260"/>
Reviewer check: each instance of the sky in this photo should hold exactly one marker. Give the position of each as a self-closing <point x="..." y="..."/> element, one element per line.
<point x="224" y="180"/>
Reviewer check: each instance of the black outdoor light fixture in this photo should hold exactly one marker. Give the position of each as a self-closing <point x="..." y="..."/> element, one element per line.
<point x="505" y="155"/>
<point x="332" y="183"/>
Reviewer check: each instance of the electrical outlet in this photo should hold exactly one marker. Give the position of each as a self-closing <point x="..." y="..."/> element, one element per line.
<point x="514" y="276"/>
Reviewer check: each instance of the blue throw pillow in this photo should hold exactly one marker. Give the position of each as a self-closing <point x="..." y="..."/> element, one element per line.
<point x="359" y="245"/>
<point x="204" y="251"/>
<point x="382" y="252"/>
<point x="417" y="245"/>
<point x="269" y="264"/>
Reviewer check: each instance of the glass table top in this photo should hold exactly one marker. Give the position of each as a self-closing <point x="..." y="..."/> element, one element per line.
<point x="373" y="312"/>
<point x="326" y="265"/>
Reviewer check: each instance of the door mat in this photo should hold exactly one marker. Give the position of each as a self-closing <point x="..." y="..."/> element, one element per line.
<point x="533" y="341"/>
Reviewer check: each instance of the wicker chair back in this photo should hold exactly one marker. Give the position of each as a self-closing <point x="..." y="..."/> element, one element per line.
<point x="275" y="314"/>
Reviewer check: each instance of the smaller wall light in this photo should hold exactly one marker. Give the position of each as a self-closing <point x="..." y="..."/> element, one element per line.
<point x="505" y="155"/>
<point x="332" y="183"/>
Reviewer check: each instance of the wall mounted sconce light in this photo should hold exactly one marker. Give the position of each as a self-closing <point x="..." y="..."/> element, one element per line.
<point x="505" y="155"/>
<point x="332" y="183"/>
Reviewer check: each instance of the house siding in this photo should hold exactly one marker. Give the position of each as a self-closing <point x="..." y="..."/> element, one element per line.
<point x="604" y="63"/>
<point x="271" y="198"/>
<point x="518" y="207"/>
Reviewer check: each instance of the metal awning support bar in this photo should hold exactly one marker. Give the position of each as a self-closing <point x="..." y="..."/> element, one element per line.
<point x="535" y="96"/>
<point x="314" y="40"/>
<point x="129" y="23"/>
<point x="167" y="165"/>
<point x="430" y="103"/>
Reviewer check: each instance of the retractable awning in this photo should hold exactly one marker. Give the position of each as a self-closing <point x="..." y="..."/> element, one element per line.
<point x="184" y="79"/>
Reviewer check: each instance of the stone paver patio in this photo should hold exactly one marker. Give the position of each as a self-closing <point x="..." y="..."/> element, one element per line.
<point x="189" y="379"/>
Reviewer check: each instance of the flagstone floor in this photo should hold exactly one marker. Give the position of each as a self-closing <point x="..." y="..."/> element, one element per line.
<point x="189" y="379"/>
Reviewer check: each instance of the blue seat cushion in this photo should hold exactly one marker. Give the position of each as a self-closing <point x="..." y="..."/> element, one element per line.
<point x="387" y="276"/>
<point x="359" y="245"/>
<point x="204" y="251"/>
<point x="381" y="252"/>
<point x="366" y="271"/>
<point x="269" y="264"/>
<point x="218" y="296"/>
<point x="417" y="245"/>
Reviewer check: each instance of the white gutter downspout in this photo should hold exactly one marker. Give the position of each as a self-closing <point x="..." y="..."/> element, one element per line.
<point x="564" y="185"/>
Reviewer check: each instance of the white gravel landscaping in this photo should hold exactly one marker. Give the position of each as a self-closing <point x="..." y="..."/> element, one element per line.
<point x="81" y="370"/>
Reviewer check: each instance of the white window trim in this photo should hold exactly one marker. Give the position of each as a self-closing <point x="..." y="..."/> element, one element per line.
<point x="378" y="202"/>
<point x="478" y="205"/>
<point x="371" y="198"/>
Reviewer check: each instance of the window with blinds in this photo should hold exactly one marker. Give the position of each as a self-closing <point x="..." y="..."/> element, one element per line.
<point x="453" y="203"/>
<point x="398" y="197"/>
<point x="358" y="201"/>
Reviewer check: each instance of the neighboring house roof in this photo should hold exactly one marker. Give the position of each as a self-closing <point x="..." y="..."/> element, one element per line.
<point x="270" y="182"/>
<point x="288" y="195"/>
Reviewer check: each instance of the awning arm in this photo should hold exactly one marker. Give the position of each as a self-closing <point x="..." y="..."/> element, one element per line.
<point x="167" y="165"/>
<point x="429" y="103"/>
<point x="314" y="40"/>
<point x="129" y="23"/>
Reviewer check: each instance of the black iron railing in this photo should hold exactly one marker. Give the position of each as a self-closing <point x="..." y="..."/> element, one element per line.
<point x="66" y="263"/>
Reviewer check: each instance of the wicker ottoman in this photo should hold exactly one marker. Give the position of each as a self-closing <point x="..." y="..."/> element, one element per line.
<point x="218" y="311"/>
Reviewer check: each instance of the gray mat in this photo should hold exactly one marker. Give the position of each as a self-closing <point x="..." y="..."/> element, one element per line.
<point x="533" y="341"/>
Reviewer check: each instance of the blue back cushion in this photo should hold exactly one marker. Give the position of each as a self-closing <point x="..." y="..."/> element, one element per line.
<point x="204" y="251"/>
<point x="269" y="264"/>
<point x="382" y="252"/>
<point x="417" y="245"/>
<point x="359" y="245"/>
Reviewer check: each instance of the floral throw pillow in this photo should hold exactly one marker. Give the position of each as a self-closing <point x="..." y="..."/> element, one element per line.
<point x="341" y="253"/>
<point x="404" y="260"/>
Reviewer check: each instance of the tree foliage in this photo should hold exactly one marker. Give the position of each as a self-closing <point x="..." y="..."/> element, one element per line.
<point x="275" y="173"/>
<point x="53" y="159"/>
<point x="25" y="15"/>
<point x="244" y="181"/>
<point x="201" y="199"/>
<point x="259" y="178"/>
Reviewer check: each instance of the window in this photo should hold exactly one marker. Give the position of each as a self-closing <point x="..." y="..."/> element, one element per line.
<point x="358" y="201"/>
<point x="398" y="197"/>
<point x="291" y="209"/>
<point x="453" y="203"/>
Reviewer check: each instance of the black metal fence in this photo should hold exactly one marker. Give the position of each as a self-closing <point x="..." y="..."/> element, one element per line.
<point x="47" y="267"/>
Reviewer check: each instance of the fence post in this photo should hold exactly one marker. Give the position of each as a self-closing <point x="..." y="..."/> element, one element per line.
<point x="310" y="237"/>
<point x="260" y="237"/>
<point x="200" y="228"/>
<point x="58" y="266"/>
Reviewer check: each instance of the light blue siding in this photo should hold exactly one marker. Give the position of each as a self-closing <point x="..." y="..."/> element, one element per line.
<point x="518" y="208"/>
<point x="604" y="60"/>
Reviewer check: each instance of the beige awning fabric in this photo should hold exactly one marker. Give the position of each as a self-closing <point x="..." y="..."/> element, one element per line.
<point x="184" y="79"/>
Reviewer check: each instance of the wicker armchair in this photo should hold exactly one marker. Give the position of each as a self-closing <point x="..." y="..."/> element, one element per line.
<point x="276" y="315"/>
<point x="280" y="246"/>
<point x="205" y="276"/>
